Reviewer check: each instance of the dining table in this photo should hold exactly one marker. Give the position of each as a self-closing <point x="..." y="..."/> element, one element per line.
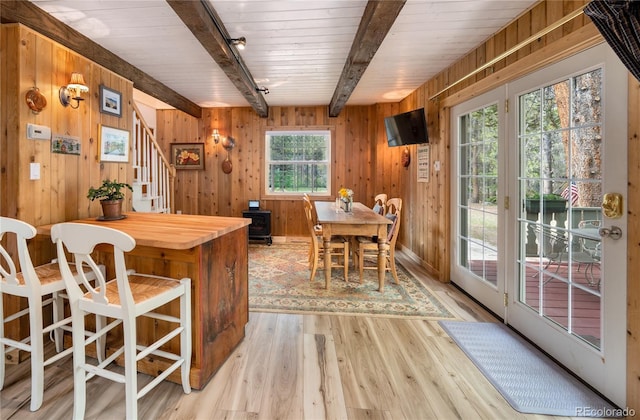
<point x="360" y="221"/>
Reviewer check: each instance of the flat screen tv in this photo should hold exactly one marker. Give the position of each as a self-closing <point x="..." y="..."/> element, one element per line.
<point x="406" y="128"/>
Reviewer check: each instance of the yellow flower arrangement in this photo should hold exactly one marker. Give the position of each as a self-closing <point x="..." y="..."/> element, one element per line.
<point x="345" y="193"/>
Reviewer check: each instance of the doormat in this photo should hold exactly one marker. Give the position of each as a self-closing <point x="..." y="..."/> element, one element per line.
<point x="530" y="381"/>
<point x="279" y="282"/>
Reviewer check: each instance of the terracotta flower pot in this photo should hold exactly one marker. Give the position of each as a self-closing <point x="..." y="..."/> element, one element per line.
<point x="111" y="209"/>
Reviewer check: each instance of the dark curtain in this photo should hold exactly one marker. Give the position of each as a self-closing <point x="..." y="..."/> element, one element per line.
<point x="619" y="23"/>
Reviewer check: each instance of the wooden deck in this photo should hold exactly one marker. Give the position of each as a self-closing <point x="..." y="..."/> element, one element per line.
<point x="584" y="303"/>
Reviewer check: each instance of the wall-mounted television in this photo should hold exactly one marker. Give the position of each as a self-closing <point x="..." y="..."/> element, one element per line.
<point x="407" y="128"/>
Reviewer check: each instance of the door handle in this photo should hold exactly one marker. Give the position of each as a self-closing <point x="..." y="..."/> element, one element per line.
<point x="613" y="232"/>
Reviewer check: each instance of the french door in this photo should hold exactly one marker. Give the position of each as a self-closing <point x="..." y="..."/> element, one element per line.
<point x="556" y="267"/>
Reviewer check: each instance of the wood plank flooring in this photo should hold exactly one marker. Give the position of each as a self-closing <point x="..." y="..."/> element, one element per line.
<point x="293" y="366"/>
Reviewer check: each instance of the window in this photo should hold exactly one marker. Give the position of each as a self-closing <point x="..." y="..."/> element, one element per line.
<point x="298" y="162"/>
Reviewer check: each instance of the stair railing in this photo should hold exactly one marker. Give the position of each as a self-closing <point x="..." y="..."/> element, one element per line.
<point x="151" y="167"/>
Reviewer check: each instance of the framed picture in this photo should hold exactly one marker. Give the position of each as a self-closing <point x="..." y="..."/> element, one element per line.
<point x="110" y="101"/>
<point x="113" y="145"/>
<point x="187" y="155"/>
<point x="66" y="145"/>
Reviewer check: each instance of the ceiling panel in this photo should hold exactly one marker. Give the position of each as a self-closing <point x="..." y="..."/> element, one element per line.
<point x="297" y="49"/>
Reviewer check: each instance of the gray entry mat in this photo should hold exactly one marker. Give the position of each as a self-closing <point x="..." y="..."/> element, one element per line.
<point x="529" y="380"/>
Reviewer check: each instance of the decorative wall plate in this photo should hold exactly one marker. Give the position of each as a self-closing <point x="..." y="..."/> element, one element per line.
<point x="227" y="167"/>
<point x="35" y="100"/>
<point x="229" y="143"/>
<point x="406" y="157"/>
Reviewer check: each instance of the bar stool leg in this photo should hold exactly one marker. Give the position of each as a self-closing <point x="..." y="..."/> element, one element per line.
<point x="37" y="355"/>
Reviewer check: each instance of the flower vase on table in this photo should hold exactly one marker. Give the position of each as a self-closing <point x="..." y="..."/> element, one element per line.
<point x="346" y="199"/>
<point x="347" y="204"/>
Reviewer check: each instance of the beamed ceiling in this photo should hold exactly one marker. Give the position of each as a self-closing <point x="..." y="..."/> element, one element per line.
<point x="311" y="52"/>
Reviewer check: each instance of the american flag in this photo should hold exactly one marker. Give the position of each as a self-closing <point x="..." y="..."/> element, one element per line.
<point x="571" y="190"/>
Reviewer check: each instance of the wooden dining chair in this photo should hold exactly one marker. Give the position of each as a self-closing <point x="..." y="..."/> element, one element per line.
<point x="339" y="248"/>
<point x="124" y="299"/>
<point x="41" y="286"/>
<point x="380" y="204"/>
<point x="316" y="227"/>
<point x="366" y="247"/>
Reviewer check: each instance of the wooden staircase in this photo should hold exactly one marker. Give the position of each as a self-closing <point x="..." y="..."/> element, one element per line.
<point x="153" y="175"/>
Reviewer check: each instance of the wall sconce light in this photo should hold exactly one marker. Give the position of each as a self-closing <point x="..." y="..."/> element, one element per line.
<point x="73" y="90"/>
<point x="263" y="90"/>
<point x="215" y="135"/>
<point x="239" y="43"/>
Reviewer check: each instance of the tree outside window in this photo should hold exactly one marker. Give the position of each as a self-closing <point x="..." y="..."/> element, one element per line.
<point x="298" y="162"/>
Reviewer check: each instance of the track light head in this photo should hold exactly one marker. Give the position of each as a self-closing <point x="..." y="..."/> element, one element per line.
<point x="239" y="43"/>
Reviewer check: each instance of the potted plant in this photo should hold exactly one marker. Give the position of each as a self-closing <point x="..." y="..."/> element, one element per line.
<point x="551" y="203"/>
<point x="111" y="196"/>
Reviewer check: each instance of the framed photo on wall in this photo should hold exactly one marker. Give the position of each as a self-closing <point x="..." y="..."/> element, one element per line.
<point x="110" y="101"/>
<point x="187" y="155"/>
<point x="113" y="145"/>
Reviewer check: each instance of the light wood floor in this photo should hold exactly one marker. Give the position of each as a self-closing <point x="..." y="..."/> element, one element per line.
<point x="305" y="367"/>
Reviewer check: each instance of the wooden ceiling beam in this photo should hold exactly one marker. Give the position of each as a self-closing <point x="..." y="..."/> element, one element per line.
<point x="377" y="19"/>
<point x="205" y="24"/>
<point x="28" y="14"/>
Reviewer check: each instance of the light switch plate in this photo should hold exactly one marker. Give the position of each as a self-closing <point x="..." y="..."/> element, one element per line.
<point x="34" y="171"/>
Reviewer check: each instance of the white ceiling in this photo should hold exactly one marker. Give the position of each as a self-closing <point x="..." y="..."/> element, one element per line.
<point x="295" y="48"/>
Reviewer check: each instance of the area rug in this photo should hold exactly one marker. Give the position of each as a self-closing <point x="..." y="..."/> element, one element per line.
<point x="279" y="282"/>
<point x="530" y="381"/>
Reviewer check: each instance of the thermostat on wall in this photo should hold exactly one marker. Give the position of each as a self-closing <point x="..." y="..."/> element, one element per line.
<point x="38" y="132"/>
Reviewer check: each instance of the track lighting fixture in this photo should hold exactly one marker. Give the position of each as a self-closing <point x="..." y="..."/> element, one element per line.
<point x="263" y="90"/>
<point x="239" y="43"/>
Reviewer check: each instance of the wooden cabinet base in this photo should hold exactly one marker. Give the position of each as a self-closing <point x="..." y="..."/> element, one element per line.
<point x="220" y="300"/>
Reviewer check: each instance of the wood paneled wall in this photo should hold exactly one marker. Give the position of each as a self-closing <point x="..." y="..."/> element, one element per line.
<point x="31" y="59"/>
<point x="362" y="159"/>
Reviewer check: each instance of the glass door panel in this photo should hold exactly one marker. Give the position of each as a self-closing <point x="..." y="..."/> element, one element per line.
<point x="561" y="175"/>
<point x="477" y="240"/>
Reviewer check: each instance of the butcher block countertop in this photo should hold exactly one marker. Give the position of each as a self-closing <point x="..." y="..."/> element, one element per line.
<point x="171" y="231"/>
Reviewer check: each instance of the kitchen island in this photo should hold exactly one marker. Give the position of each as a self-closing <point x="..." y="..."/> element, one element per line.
<point x="213" y="252"/>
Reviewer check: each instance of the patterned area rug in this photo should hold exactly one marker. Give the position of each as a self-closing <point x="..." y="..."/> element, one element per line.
<point x="279" y="282"/>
